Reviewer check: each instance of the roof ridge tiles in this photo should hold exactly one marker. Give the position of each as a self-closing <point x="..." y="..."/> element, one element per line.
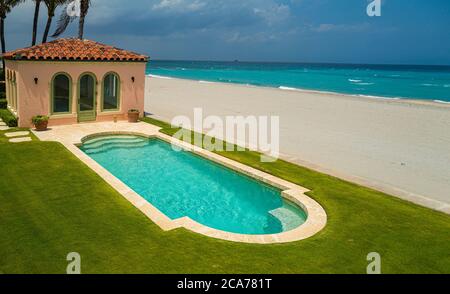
<point x="74" y="49"/>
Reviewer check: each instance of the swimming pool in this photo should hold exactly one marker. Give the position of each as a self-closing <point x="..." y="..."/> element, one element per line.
<point x="182" y="184"/>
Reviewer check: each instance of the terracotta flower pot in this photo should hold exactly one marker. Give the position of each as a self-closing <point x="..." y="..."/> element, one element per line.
<point x="42" y="126"/>
<point x="133" y="116"/>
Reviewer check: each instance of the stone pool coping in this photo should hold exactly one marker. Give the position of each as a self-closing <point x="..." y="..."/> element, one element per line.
<point x="73" y="136"/>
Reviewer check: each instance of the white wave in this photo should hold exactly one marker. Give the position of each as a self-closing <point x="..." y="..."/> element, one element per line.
<point x="159" y="77"/>
<point x="360" y="82"/>
<point x="378" y="97"/>
<point x="206" y="82"/>
<point x="436" y="85"/>
<point x="288" y="88"/>
<point x="342" y="94"/>
<point x="440" y="101"/>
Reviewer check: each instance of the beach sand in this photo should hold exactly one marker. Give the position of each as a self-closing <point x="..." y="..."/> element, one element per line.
<point x="396" y="146"/>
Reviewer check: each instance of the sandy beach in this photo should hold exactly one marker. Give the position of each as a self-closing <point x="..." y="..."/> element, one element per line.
<point x="396" y="146"/>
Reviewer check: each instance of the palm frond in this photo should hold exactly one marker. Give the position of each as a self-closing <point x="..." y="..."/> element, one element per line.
<point x="7" y="5"/>
<point x="63" y="22"/>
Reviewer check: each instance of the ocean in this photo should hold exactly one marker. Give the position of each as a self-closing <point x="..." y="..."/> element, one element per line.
<point x="384" y="81"/>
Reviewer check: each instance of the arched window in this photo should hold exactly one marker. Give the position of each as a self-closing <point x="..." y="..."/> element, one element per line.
<point x="61" y="93"/>
<point x="111" y="89"/>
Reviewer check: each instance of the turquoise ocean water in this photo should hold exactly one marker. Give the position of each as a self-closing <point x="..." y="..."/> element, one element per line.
<point x="182" y="184"/>
<point x="390" y="81"/>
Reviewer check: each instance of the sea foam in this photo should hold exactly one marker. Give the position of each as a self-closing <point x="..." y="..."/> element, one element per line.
<point x="440" y="101"/>
<point x="288" y="88"/>
<point x="160" y="77"/>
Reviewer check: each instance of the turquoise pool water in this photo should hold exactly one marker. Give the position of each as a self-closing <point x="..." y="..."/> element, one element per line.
<point x="183" y="184"/>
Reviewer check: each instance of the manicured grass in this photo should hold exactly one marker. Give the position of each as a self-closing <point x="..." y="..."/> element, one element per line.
<point x="52" y="204"/>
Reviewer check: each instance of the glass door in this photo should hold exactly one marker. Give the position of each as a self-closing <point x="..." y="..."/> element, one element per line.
<point x="87" y="94"/>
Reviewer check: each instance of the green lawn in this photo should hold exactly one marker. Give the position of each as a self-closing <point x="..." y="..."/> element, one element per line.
<point x="52" y="204"/>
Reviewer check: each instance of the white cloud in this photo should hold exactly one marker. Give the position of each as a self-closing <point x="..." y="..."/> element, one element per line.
<point x="274" y="13"/>
<point x="179" y="5"/>
<point x="328" y="27"/>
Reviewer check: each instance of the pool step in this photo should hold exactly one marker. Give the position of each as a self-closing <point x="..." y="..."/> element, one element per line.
<point x="121" y="137"/>
<point x="102" y="142"/>
<point x="106" y="143"/>
<point x="109" y="146"/>
<point x="287" y="217"/>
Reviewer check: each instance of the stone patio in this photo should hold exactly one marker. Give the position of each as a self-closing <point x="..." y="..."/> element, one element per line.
<point x="72" y="134"/>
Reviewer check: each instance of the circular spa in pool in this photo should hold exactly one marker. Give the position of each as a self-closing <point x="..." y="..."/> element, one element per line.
<point x="183" y="184"/>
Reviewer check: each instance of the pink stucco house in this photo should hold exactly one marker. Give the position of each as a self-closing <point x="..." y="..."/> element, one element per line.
<point x="74" y="81"/>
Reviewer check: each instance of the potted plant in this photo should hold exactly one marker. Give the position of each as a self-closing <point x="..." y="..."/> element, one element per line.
<point x="40" y="122"/>
<point x="133" y="115"/>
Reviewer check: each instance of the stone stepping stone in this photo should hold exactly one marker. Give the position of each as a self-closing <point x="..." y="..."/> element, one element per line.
<point x="2" y="123"/>
<point x="2" y="128"/>
<point x="17" y="134"/>
<point x="20" y="140"/>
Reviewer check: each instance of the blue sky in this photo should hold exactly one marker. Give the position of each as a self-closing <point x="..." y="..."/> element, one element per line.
<point x="408" y="32"/>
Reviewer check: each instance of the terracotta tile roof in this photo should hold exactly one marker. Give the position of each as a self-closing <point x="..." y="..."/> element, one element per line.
<point x="74" y="50"/>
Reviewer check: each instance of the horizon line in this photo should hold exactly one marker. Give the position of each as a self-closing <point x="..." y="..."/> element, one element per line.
<point x="302" y="62"/>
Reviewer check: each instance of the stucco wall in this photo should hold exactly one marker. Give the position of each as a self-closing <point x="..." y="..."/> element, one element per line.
<point x="11" y="67"/>
<point x="34" y="99"/>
